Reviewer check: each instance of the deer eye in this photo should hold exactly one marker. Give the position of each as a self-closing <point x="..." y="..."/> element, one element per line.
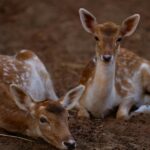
<point x="96" y="38"/>
<point x="119" y="39"/>
<point x="43" y="120"/>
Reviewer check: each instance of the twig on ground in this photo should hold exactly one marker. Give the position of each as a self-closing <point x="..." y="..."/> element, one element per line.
<point x="17" y="137"/>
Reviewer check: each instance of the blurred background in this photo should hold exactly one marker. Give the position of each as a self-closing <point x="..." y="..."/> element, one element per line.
<point x="52" y="29"/>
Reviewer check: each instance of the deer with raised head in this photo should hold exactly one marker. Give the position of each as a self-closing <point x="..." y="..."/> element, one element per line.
<point x="28" y="103"/>
<point x="115" y="77"/>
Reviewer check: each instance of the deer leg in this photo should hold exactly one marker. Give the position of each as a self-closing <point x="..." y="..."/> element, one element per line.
<point x="124" y="109"/>
<point x="83" y="113"/>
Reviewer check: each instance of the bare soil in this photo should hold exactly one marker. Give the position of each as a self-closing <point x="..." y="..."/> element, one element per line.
<point x="51" y="28"/>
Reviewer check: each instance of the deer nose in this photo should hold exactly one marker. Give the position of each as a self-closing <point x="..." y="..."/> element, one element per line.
<point x="70" y="144"/>
<point x="106" y="58"/>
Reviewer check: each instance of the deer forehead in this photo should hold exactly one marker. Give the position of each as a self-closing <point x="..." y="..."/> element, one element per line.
<point x="54" y="108"/>
<point x="107" y="29"/>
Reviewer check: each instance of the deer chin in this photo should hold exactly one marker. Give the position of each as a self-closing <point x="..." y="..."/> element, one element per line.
<point x="54" y="143"/>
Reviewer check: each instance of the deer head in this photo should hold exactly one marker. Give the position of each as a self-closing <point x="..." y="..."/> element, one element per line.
<point x="108" y="35"/>
<point x="50" y="118"/>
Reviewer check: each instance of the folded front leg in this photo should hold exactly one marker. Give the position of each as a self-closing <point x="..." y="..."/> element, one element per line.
<point x="83" y="113"/>
<point x="124" y="109"/>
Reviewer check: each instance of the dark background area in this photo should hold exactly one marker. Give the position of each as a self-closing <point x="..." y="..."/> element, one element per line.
<point x="52" y="29"/>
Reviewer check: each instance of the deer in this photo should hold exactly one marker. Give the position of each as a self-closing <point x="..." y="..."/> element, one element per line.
<point x="29" y="104"/>
<point x="115" y="77"/>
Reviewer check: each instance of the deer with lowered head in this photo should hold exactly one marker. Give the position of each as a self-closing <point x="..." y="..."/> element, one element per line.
<point x="28" y="103"/>
<point x="115" y="77"/>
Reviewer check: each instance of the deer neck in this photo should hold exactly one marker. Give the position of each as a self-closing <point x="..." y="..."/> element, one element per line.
<point x="105" y="75"/>
<point x="100" y="93"/>
<point x="102" y="89"/>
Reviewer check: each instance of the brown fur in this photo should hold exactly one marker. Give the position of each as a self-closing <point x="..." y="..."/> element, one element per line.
<point x="125" y="59"/>
<point x="88" y="71"/>
<point x="55" y="108"/>
<point x="25" y="55"/>
<point x="118" y="77"/>
<point x="107" y="34"/>
<point x="18" y="110"/>
<point x="8" y="74"/>
<point x="7" y="107"/>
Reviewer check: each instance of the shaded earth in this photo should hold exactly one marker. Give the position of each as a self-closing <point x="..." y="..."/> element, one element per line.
<point x="52" y="29"/>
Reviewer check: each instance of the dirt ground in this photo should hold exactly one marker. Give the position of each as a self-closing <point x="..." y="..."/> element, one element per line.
<point x="52" y="29"/>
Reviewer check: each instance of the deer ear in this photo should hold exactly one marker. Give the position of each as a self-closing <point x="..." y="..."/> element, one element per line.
<point x="88" y="20"/>
<point x="129" y="25"/>
<point x="22" y="100"/>
<point x="72" y="97"/>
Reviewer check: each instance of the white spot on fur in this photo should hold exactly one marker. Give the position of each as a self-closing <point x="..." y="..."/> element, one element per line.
<point x="124" y="88"/>
<point x="5" y="74"/>
<point x="145" y="66"/>
<point x="94" y="60"/>
<point x="22" y="77"/>
<point x="129" y="81"/>
<point x="126" y="70"/>
<point x="17" y="76"/>
<point x="14" y="67"/>
<point x="5" y="69"/>
<point x="118" y="80"/>
<point x="33" y="77"/>
<point x="23" y="51"/>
